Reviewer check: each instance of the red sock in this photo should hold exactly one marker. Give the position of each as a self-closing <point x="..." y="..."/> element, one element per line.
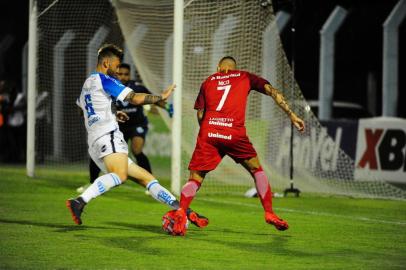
<point x="263" y="189"/>
<point x="188" y="193"/>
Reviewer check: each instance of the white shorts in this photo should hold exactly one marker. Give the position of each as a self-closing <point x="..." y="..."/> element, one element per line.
<point x="112" y="142"/>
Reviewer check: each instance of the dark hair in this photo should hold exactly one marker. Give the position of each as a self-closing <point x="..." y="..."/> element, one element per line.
<point x="125" y="65"/>
<point x="227" y="57"/>
<point x="109" y="50"/>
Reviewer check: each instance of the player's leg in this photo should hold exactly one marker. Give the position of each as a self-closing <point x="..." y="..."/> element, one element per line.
<point x="190" y="189"/>
<point x="147" y="180"/>
<point x="242" y="151"/>
<point x="161" y="194"/>
<point x="137" y="145"/>
<point x="205" y="158"/>
<point x="94" y="171"/>
<point x="116" y="166"/>
<point x="175" y="221"/>
<point x="253" y="166"/>
<point x="188" y="193"/>
<point x="110" y="154"/>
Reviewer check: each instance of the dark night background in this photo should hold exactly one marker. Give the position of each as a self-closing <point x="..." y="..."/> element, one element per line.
<point x="14" y="22"/>
<point x="358" y="45"/>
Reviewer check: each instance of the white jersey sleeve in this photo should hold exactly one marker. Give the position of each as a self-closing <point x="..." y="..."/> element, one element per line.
<point x="114" y="88"/>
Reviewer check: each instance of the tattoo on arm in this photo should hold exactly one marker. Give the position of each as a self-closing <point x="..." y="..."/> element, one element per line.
<point x="148" y="99"/>
<point x="280" y="100"/>
<point x="161" y="104"/>
<point x="152" y="99"/>
<point x="130" y="96"/>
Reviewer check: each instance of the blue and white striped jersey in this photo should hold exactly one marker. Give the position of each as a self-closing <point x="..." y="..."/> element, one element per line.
<point x="98" y="92"/>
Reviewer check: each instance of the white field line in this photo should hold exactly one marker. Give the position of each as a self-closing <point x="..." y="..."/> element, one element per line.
<point x="314" y="213"/>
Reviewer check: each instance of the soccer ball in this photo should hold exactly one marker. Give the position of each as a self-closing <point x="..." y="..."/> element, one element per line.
<point x="168" y="221"/>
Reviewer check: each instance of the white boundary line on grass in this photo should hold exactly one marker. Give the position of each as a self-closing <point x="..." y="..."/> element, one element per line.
<point x="315" y="213"/>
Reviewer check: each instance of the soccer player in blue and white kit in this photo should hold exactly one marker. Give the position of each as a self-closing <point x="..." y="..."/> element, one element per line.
<point x="107" y="147"/>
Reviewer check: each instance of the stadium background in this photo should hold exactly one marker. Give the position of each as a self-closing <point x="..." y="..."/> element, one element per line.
<point x="60" y="128"/>
<point x="359" y="45"/>
<point x="122" y="229"/>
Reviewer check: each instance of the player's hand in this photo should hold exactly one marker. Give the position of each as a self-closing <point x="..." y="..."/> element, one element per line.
<point x="168" y="91"/>
<point x="121" y="116"/>
<point x="297" y="122"/>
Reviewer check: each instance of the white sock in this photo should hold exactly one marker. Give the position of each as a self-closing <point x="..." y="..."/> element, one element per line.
<point x="101" y="185"/>
<point x="161" y="194"/>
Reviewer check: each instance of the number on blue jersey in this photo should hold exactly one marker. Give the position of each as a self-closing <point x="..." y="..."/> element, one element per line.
<point x="89" y="105"/>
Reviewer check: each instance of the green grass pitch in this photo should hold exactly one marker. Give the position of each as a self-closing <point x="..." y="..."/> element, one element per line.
<point x="122" y="230"/>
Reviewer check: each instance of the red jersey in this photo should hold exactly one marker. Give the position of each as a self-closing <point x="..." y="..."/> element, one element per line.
<point x="223" y="96"/>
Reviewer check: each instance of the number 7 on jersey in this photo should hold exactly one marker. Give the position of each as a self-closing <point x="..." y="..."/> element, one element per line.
<point x="226" y="89"/>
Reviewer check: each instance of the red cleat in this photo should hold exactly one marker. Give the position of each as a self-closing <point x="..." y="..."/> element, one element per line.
<point x="196" y="219"/>
<point x="168" y="220"/>
<point x="273" y="219"/>
<point x="180" y="222"/>
<point x="175" y="222"/>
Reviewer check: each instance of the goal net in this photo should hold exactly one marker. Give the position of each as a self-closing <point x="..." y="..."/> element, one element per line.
<point x="247" y="31"/>
<point x="69" y="33"/>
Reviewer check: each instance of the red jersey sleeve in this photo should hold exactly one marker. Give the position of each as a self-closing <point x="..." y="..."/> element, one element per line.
<point x="200" y="101"/>
<point x="257" y="83"/>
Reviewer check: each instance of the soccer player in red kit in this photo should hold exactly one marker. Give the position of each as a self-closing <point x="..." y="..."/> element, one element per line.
<point x="220" y="106"/>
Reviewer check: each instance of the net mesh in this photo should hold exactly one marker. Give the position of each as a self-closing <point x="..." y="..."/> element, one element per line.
<point x="247" y="31"/>
<point x="243" y="29"/>
<point x="66" y="32"/>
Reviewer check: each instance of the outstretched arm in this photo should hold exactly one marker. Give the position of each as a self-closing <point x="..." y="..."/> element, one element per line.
<point x="142" y="98"/>
<point x="280" y="100"/>
<point x="161" y="104"/>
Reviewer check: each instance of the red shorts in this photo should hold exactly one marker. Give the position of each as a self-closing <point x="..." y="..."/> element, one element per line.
<point x="213" y="144"/>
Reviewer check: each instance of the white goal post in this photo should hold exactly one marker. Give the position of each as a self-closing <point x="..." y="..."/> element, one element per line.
<point x="32" y="87"/>
<point x="177" y="98"/>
